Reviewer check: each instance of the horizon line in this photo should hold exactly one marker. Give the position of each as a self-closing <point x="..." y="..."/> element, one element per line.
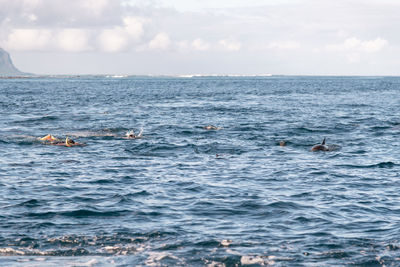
<point x="109" y="75"/>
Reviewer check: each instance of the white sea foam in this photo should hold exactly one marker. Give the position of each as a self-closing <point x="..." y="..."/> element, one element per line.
<point x="214" y="264"/>
<point x="88" y="263"/>
<point x="116" y="76"/>
<point x="222" y="75"/>
<point x="230" y="251"/>
<point x="155" y="257"/>
<point x="261" y="260"/>
<point x="226" y="242"/>
<point x="100" y="133"/>
<point x="11" y="251"/>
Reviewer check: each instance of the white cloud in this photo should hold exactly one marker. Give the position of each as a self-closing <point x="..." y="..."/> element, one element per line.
<point x="73" y="40"/>
<point x="118" y="38"/>
<point x="183" y="45"/>
<point x="134" y="27"/>
<point x="160" y="42"/>
<point x="353" y="58"/>
<point x="373" y="45"/>
<point x="355" y="44"/>
<point x="276" y="45"/>
<point x="70" y="40"/>
<point x="96" y="7"/>
<point x="113" y="40"/>
<point x="284" y="45"/>
<point x="32" y="17"/>
<point x="230" y="45"/>
<point x="200" y="45"/>
<point x="28" y="39"/>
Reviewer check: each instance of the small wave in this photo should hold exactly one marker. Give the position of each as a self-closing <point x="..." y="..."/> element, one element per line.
<point x="286" y="205"/>
<point x="98" y="133"/>
<point x="387" y="164"/>
<point x="159" y="150"/>
<point x="310" y="130"/>
<point x="102" y="181"/>
<point x="219" y="148"/>
<point x="3" y="141"/>
<point x="162" y="259"/>
<point x="36" y="252"/>
<point x="75" y="245"/>
<point x="82" y="213"/>
<point x="37" y="119"/>
<point x="30" y="203"/>
<point x="18" y="164"/>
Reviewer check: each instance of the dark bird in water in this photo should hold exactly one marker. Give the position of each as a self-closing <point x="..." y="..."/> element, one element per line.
<point x="321" y="147"/>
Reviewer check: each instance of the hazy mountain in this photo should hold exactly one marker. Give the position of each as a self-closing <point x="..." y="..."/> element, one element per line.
<point x="7" y="68"/>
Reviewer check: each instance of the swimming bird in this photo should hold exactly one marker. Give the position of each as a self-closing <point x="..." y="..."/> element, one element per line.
<point x="211" y="127"/>
<point x="321" y="147"/>
<point x="131" y="134"/>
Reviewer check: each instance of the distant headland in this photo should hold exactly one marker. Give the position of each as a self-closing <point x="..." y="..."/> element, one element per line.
<point x="7" y="68"/>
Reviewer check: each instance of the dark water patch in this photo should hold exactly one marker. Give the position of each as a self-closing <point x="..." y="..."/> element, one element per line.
<point x="43" y="225"/>
<point x="247" y="128"/>
<point x="119" y="158"/>
<point x="168" y="149"/>
<point x="31" y="203"/>
<point x="18" y="164"/>
<point x="26" y="142"/>
<point x="157" y="150"/>
<point x="354" y="105"/>
<point x="71" y="161"/>
<point x="39" y="119"/>
<point x="81" y="213"/>
<point x="286" y="205"/>
<point x="360" y="152"/>
<point x="91" y="213"/>
<point x="380" y="128"/>
<point x="317" y="173"/>
<point x="189" y="132"/>
<point x="138" y="194"/>
<point x="220" y="148"/>
<point x="102" y="181"/>
<point x="387" y="164"/>
<point x="316" y="130"/>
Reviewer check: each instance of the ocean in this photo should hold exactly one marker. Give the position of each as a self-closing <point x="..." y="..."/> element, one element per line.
<point x="185" y="196"/>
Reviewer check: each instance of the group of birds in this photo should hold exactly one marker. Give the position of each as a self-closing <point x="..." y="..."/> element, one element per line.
<point x="68" y="142"/>
<point x="51" y="140"/>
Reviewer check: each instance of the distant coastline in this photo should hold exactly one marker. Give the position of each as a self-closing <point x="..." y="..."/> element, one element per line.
<point x="197" y="76"/>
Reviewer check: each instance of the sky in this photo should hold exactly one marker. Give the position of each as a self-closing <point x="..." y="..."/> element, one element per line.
<point x="219" y="37"/>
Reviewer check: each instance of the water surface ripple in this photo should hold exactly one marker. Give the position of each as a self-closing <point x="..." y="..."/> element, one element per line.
<point x="183" y="195"/>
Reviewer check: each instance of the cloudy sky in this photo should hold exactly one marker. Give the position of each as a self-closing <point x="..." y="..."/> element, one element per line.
<point x="179" y="37"/>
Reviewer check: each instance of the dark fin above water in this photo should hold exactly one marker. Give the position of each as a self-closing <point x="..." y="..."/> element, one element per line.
<point x="323" y="142"/>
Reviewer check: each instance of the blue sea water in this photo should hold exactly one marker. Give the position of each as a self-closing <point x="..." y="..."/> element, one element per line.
<point x="186" y="196"/>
